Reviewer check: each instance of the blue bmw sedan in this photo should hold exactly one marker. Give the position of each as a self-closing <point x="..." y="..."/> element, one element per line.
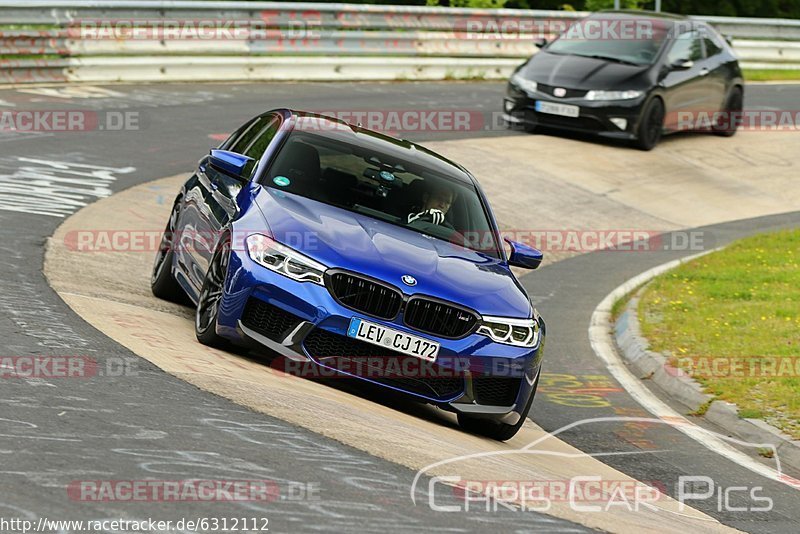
<point x="354" y="252"/>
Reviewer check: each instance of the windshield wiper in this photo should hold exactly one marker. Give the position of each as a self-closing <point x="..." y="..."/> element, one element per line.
<point x="614" y="59"/>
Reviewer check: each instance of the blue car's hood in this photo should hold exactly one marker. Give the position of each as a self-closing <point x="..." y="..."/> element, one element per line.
<point x="347" y="240"/>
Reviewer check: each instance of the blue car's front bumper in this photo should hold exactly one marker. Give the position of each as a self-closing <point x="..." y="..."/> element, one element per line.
<point x="475" y="375"/>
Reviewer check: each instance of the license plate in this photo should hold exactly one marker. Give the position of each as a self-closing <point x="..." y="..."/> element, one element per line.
<point x="565" y="110"/>
<point x="392" y="339"/>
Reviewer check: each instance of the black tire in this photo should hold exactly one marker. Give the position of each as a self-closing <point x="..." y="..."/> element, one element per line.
<point x="495" y="429"/>
<point x="205" y="322"/>
<point x="651" y="125"/>
<point x="733" y="105"/>
<point x="162" y="282"/>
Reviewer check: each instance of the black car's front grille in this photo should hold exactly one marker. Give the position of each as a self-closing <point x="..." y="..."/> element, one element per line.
<point x="495" y="390"/>
<point x="268" y="320"/>
<point x="364" y="295"/>
<point x="438" y="318"/>
<point x="339" y="352"/>
<point x="568" y="93"/>
<point x="588" y="124"/>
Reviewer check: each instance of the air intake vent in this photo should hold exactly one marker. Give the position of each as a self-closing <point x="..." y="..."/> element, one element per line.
<point x="428" y="380"/>
<point x="268" y="320"/>
<point x="438" y="318"/>
<point x="496" y="390"/>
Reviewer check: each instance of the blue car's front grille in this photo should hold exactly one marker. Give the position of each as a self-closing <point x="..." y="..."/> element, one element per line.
<point x="323" y="345"/>
<point x="268" y="320"/>
<point x="495" y="390"/>
<point x="438" y="318"/>
<point x="364" y="295"/>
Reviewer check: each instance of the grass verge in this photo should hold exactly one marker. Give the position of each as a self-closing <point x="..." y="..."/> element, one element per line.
<point x="770" y="75"/>
<point x="732" y="320"/>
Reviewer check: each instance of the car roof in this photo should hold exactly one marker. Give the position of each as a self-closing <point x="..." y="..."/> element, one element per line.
<point x="343" y="131"/>
<point x="640" y="13"/>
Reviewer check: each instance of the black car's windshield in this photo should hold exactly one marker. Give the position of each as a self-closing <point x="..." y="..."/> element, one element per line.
<point x="362" y="179"/>
<point x="634" y="41"/>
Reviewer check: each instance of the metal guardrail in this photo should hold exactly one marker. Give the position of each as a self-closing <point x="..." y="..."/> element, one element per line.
<point x="42" y="40"/>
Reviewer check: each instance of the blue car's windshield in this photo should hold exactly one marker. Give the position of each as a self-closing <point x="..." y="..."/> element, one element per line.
<point x="626" y="40"/>
<point x="361" y="178"/>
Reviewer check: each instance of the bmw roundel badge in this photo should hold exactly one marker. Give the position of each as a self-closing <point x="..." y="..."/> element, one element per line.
<point x="409" y="280"/>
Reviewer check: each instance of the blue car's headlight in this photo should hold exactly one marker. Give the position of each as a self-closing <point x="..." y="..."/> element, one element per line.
<point x="524" y="83"/>
<point x="517" y="332"/>
<point x="279" y="258"/>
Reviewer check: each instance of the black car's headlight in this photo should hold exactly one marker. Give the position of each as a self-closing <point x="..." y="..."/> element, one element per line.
<point x="279" y="258"/>
<point x="523" y="83"/>
<point x="517" y="332"/>
<point x="613" y="95"/>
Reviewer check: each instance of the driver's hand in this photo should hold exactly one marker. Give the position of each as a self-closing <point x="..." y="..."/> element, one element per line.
<point x="432" y="215"/>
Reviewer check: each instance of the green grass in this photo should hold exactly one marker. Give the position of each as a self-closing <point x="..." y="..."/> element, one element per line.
<point x="22" y="57"/>
<point x="618" y="308"/>
<point x="769" y="75"/>
<point x="740" y="305"/>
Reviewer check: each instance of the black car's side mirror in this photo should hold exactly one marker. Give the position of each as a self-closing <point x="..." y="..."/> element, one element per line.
<point x="540" y="43"/>
<point x="524" y="256"/>
<point x="683" y="64"/>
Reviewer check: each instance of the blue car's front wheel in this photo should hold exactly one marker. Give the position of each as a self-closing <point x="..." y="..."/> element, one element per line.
<point x="205" y="323"/>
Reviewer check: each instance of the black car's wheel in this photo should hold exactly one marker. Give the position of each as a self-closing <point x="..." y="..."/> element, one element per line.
<point x="162" y="282"/>
<point x="733" y="106"/>
<point x="495" y="429"/>
<point x="205" y="322"/>
<point x="651" y="125"/>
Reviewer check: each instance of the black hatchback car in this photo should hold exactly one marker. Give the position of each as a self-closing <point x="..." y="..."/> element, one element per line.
<point x="631" y="75"/>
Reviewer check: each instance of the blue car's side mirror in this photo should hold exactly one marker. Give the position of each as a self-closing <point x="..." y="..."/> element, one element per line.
<point x="230" y="163"/>
<point x="524" y="256"/>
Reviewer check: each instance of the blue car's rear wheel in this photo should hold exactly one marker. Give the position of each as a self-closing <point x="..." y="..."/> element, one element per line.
<point x="205" y="323"/>
<point x="496" y="429"/>
<point x="162" y="282"/>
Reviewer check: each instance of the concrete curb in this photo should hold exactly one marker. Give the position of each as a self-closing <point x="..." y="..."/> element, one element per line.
<point x="654" y="366"/>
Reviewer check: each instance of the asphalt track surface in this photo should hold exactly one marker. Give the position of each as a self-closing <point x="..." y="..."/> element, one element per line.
<point x="155" y="426"/>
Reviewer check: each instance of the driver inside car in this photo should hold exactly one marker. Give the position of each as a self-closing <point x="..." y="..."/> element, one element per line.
<point x="436" y="202"/>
